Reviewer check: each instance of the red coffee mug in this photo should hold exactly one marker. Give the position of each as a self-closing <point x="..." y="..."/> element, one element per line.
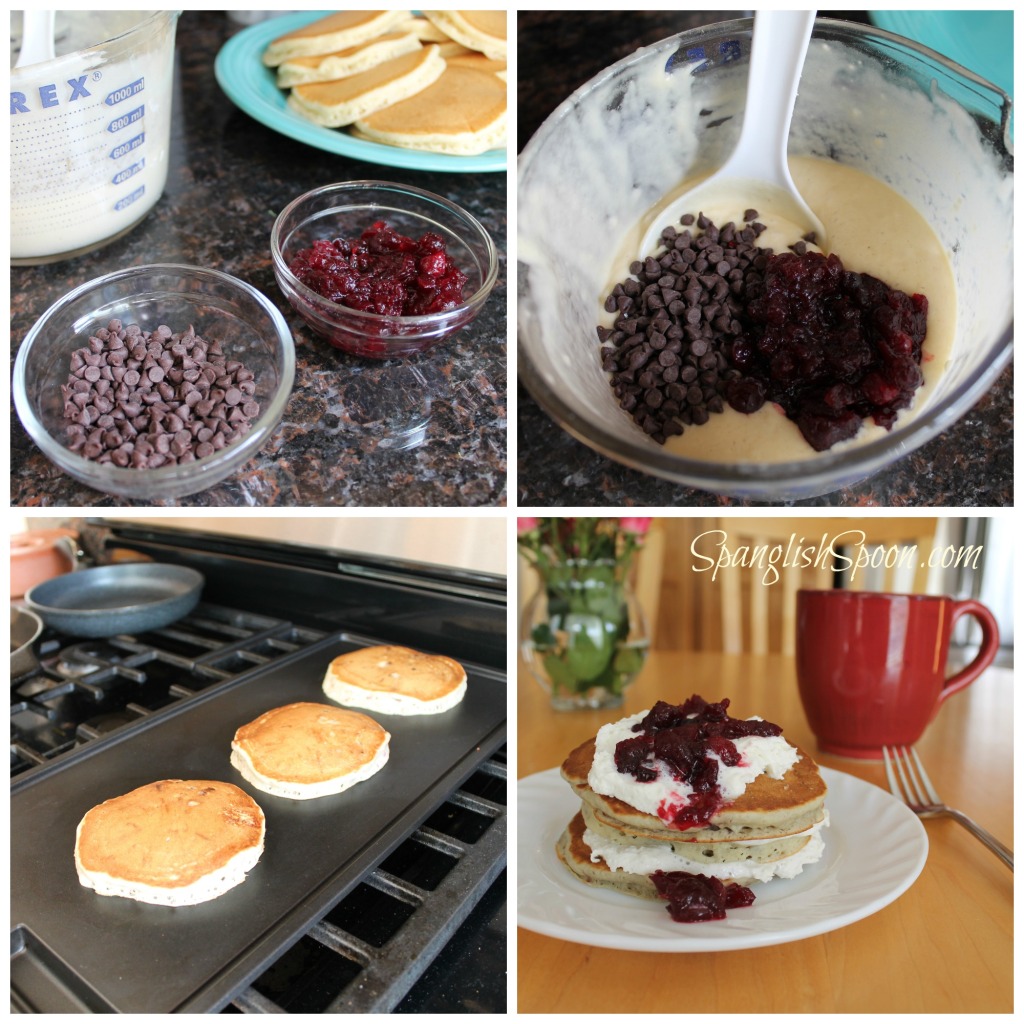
<point x="872" y="667"/>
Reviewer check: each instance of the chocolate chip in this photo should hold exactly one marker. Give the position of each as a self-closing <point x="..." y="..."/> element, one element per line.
<point x="132" y="404"/>
<point x="684" y="310"/>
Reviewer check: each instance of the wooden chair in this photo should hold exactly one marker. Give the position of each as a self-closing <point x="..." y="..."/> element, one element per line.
<point x="785" y="535"/>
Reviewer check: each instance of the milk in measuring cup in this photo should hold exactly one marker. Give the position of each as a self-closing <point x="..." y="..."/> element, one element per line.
<point x="90" y="132"/>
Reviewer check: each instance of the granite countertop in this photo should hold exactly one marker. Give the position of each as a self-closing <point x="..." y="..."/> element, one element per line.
<point x="229" y="178"/>
<point x="969" y="465"/>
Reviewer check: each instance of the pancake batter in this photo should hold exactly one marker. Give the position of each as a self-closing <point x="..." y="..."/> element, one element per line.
<point x="874" y="231"/>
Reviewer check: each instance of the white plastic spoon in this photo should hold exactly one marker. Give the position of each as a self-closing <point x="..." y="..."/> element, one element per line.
<point x="757" y="173"/>
<point x="36" y="38"/>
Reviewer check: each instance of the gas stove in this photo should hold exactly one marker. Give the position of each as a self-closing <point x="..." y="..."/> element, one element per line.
<point x="406" y="915"/>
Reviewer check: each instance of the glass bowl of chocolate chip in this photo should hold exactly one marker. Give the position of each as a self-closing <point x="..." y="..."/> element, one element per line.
<point x="155" y="382"/>
<point x="740" y="357"/>
<point x="382" y="270"/>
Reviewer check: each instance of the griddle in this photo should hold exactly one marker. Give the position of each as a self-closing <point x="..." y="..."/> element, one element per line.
<point x="109" y="954"/>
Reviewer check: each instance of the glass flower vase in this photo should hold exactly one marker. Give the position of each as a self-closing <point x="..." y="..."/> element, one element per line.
<point x="583" y="634"/>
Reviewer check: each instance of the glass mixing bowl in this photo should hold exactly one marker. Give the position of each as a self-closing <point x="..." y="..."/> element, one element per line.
<point x="929" y="129"/>
<point x="220" y="307"/>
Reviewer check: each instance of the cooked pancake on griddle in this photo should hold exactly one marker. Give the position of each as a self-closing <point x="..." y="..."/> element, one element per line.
<point x="395" y="681"/>
<point x="306" y="750"/>
<point x="173" y="842"/>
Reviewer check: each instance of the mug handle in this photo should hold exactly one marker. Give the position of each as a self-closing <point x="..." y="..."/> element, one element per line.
<point x="985" y="656"/>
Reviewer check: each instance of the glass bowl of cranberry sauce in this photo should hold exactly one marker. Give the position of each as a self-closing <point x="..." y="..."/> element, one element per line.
<point x="363" y="242"/>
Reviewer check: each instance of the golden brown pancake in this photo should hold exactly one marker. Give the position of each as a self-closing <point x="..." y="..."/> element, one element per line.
<point x="424" y="30"/>
<point x="308" y="750"/>
<point x="767" y="807"/>
<point x="719" y="851"/>
<point x="335" y="32"/>
<point x="574" y="853"/>
<point x="174" y="842"/>
<point x="463" y="112"/>
<point x="395" y="680"/>
<point x="486" y="31"/>
<point x="339" y="103"/>
<point x="328" y="67"/>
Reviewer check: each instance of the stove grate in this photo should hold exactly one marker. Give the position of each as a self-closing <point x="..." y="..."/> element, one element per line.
<point x="368" y="951"/>
<point x="88" y="688"/>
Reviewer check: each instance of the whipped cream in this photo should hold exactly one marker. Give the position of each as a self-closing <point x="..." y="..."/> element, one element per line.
<point x="759" y="755"/>
<point x="645" y="860"/>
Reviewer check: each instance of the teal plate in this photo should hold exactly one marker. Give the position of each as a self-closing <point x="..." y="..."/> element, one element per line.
<point x="252" y="87"/>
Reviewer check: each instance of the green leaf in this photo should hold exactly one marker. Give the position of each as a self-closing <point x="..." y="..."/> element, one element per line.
<point x="542" y="636"/>
<point x="559" y="672"/>
<point x="590" y="645"/>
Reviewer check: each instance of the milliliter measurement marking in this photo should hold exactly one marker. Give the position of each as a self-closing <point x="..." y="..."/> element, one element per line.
<point x="125" y="92"/>
<point x="126" y="119"/>
<point x="126" y="147"/>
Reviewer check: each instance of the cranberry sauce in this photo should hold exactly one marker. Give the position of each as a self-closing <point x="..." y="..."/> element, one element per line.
<point x="680" y="738"/>
<point x="384" y="272"/>
<point x="698" y="897"/>
<point x="830" y="346"/>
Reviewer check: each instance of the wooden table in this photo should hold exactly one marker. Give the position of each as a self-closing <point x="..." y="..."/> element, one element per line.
<point x="946" y="945"/>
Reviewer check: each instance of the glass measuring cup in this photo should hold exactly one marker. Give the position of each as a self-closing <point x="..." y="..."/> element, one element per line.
<point x="90" y="133"/>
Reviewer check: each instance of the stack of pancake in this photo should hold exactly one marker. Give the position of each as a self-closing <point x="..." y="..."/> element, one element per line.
<point x="434" y="82"/>
<point x="770" y="830"/>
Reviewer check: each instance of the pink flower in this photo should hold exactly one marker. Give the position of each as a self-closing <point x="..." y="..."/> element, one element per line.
<point x="526" y="523"/>
<point x="638" y="525"/>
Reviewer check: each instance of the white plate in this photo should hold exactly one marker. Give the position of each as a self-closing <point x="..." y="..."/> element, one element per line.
<point x="874" y="850"/>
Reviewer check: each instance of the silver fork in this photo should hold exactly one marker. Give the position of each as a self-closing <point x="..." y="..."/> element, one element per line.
<point x="910" y="783"/>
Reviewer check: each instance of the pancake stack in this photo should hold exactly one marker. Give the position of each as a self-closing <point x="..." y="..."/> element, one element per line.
<point x="747" y="831"/>
<point x="434" y="83"/>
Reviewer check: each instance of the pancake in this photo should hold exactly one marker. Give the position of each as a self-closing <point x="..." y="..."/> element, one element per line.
<point x="477" y="61"/>
<point x="767" y="807"/>
<point x="395" y="681"/>
<point x="341" y="102"/>
<point x="574" y="853"/>
<point x="745" y="849"/>
<point x="335" y="32"/>
<point x="424" y="30"/>
<point x="486" y="31"/>
<point x="762" y="819"/>
<point x="628" y="868"/>
<point x="304" y="751"/>
<point x="174" y="842"/>
<point x="462" y="113"/>
<point x="340" y="64"/>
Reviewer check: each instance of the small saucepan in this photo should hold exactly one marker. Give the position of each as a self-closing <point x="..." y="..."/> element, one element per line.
<point x="130" y="598"/>
<point x="25" y="629"/>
